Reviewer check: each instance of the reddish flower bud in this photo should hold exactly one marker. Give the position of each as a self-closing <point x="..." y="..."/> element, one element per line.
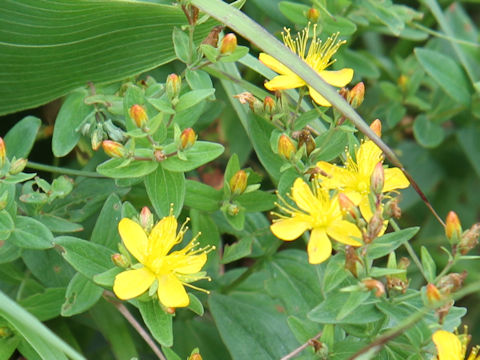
<point x="453" y="228"/>
<point x="187" y="138"/>
<point x="229" y="44"/>
<point x="347" y="207"/>
<point x="113" y="149"/>
<point x="170" y="310"/>
<point x="377" y="179"/>
<point x="146" y="218"/>
<point x="306" y="138"/>
<point x="433" y="294"/>
<point x="375" y="225"/>
<point x="17" y="166"/>
<point x="376" y="126"/>
<point x="268" y="105"/>
<point x="286" y="148"/>
<point x="372" y="284"/>
<point x="351" y="260"/>
<point x="238" y="182"/>
<point x="3" y="152"/>
<point x="173" y="86"/>
<point x="138" y="114"/>
<point x="120" y="260"/>
<point x="313" y="15"/>
<point x="356" y="95"/>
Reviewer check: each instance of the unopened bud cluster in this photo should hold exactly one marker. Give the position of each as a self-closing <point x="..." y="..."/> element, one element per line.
<point x="355" y="95"/>
<point x="462" y="241"/>
<point x="187" y="138"/>
<point x="238" y="182"/>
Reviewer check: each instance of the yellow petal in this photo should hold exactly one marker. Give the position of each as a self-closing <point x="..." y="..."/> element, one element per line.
<point x="188" y="264"/>
<point x="344" y="232"/>
<point x="134" y="238"/>
<point x="282" y="82"/>
<point x="171" y="292"/>
<point x="394" y="179"/>
<point x="132" y="283"/>
<point x="338" y="78"/>
<point x="304" y="198"/>
<point x="365" y="208"/>
<point x="289" y="229"/>
<point x="162" y="237"/>
<point x="368" y="155"/>
<point x="319" y="99"/>
<point x="319" y="247"/>
<point x="448" y="345"/>
<point x="335" y="177"/>
<point x="274" y="64"/>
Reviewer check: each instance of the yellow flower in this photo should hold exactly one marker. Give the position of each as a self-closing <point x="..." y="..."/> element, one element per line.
<point x="319" y="57"/>
<point x="318" y="212"/>
<point x="171" y="271"/>
<point x="354" y="178"/>
<point x="453" y="346"/>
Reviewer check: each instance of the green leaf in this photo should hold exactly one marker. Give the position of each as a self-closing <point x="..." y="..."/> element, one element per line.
<point x="165" y="188"/>
<point x="354" y="300"/>
<point x="81" y="295"/>
<point x="192" y="98"/>
<point x="428" y="264"/>
<point x="181" y="45"/>
<point x="195" y="305"/>
<point x="45" y="305"/>
<point x="86" y="257"/>
<point x="49" y="267"/>
<point x="333" y="24"/>
<point x="105" y="232"/>
<point x="251" y="329"/>
<point x="257" y="201"/>
<point x="238" y="250"/>
<point x="385" y="13"/>
<point x="427" y="133"/>
<point x="107" y="278"/>
<point x="124" y="39"/>
<point x="198" y="79"/>
<point x="116" y="168"/>
<point x="158" y="321"/>
<point x="199" y="154"/>
<point x="20" y="138"/>
<point x="468" y="140"/>
<point x="58" y="224"/>
<point x="72" y="113"/>
<point x="31" y="234"/>
<point x="387" y="243"/>
<point x="296" y="13"/>
<point x="8" y="346"/>
<point x="237" y="54"/>
<point x="42" y="339"/>
<point x="202" y="197"/>
<point x="6" y="225"/>
<point x="446" y="73"/>
<point x="9" y="252"/>
<point x="330" y="144"/>
<point x="379" y="272"/>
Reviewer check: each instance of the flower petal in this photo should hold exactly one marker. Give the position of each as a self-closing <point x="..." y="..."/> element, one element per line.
<point x="289" y="229"/>
<point x="449" y="346"/>
<point x="365" y="208"/>
<point x="132" y="283"/>
<point x="335" y="177"/>
<point x="162" y="237"/>
<point x="282" y="82"/>
<point x="394" y="179"/>
<point x="338" y="78"/>
<point x="368" y="156"/>
<point x="274" y="64"/>
<point x="134" y="238"/>
<point x="171" y="292"/>
<point x="319" y="99"/>
<point x="187" y="264"/>
<point x="304" y="198"/>
<point x="344" y="231"/>
<point x="319" y="247"/>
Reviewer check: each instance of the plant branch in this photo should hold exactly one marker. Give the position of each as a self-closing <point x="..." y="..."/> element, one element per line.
<point x="61" y="170"/>
<point x="310" y="342"/>
<point x="136" y="325"/>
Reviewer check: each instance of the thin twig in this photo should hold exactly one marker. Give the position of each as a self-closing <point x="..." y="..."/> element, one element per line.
<point x="310" y="342"/>
<point x="62" y="170"/>
<point x="136" y="325"/>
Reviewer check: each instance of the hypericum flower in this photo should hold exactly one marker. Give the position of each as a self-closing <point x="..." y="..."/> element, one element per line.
<point x="318" y="212"/>
<point x="354" y="178"/>
<point x="318" y="56"/>
<point x="171" y="271"/>
<point x="454" y="346"/>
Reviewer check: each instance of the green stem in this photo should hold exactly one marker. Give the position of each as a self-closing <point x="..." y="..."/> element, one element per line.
<point x="411" y="252"/>
<point x="450" y="264"/>
<point x="242" y="277"/>
<point x="61" y="170"/>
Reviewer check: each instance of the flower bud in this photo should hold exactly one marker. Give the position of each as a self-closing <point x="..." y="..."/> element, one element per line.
<point x="469" y="239"/>
<point x="451" y="282"/>
<point x="376" y="126"/>
<point x="187" y="138"/>
<point x="351" y="260"/>
<point x="255" y="105"/>
<point x="229" y="44"/>
<point x="403" y="263"/>
<point x="17" y="166"/>
<point x="377" y="179"/>
<point x="138" y="114"/>
<point x="120" y="260"/>
<point x="392" y="210"/>
<point x="286" y="148"/>
<point x="269" y="105"/>
<point x="306" y="138"/>
<point x="113" y="149"/>
<point x="238" y="182"/>
<point x="348" y="208"/>
<point x="5" y="332"/>
<point x="402" y="81"/>
<point x="375" y="225"/>
<point x="313" y="15"/>
<point x="233" y="209"/>
<point x="195" y="356"/>
<point x="173" y="86"/>
<point x="3" y="200"/>
<point x="453" y="228"/>
<point x="170" y="310"/>
<point x="433" y="294"/>
<point x="97" y="138"/>
<point x="356" y="95"/>
<point x="372" y="284"/>
<point x="3" y="152"/>
<point x="146" y="218"/>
